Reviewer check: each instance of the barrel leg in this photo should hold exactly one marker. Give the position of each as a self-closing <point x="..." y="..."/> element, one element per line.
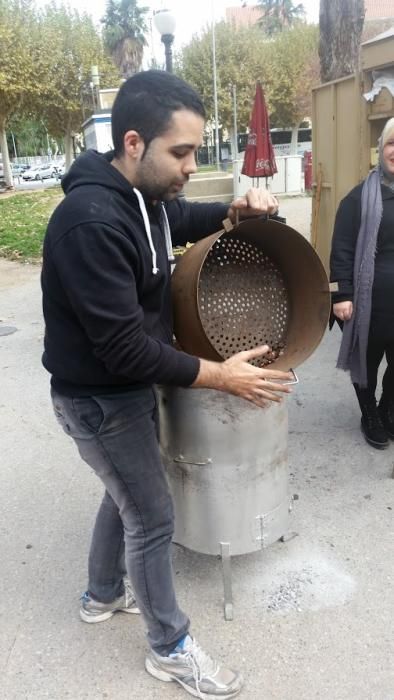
<point x="226" y="569"/>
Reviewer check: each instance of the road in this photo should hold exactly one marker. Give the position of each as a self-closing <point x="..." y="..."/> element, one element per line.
<point x="21" y="185"/>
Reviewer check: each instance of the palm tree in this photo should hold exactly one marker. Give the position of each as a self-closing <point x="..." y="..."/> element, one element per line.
<point x="280" y="14"/>
<point x="341" y="25"/>
<point x="124" y="34"/>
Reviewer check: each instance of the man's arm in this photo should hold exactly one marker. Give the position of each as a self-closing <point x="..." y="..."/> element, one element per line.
<point x="238" y="377"/>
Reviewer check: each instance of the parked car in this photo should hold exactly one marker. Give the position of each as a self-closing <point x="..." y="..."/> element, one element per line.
<point x="16" y="169"/>
<point x="19" y="168"/>
<point x="40" y="172"/>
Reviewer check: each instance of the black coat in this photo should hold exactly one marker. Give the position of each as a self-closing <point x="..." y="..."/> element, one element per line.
<point x="347" y="225"/>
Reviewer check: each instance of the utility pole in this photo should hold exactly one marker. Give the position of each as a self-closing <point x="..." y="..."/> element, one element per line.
<point x="235" y="155"/>
<point x="215" y="91"/>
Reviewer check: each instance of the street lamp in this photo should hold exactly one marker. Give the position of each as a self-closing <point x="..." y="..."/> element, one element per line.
<point x="165" y="22"/>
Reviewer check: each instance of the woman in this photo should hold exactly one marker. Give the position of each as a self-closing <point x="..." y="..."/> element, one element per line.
<point x="362" y="264"/>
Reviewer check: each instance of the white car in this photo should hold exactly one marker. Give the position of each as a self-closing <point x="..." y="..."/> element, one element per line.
<point x="41" y="172"/>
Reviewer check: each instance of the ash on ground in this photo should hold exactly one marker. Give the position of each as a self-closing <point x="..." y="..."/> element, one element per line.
<point x="307" y="585"/>
<point x="290" y="595"/>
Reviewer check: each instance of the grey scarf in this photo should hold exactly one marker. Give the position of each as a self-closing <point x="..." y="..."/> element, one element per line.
<point x="353" y="351"/>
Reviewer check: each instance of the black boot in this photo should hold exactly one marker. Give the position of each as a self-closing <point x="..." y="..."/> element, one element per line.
<point x="386" y="412"/>
<point x="372" y="427"/>
<point x="371" y="423"/>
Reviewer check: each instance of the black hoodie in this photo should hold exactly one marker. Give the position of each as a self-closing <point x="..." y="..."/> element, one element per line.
<point x="107" y="309"/>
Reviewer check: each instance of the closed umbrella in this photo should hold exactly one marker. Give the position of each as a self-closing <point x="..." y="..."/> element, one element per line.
<point x="259" y="159"/>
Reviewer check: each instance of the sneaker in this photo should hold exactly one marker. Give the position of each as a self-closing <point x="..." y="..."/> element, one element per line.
<point x="195" y="671"/>
<point x="93" y="611"/>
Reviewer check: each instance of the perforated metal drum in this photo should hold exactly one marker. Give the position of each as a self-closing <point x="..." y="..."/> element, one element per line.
<point x="252" y="312"/>
<point x="260" y="283"/>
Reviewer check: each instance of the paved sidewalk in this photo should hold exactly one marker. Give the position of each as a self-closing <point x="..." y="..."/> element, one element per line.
<point x="298" y="212"/>
<point x="313" y="617"/>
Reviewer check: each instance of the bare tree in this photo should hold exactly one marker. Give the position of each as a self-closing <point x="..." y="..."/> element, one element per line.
<point x="341" y="25"/>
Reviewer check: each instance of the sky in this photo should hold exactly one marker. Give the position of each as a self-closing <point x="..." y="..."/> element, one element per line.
<point x="191" y="15"/>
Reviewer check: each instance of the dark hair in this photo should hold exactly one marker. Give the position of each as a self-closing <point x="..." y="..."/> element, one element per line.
<point x="145" y="103"/>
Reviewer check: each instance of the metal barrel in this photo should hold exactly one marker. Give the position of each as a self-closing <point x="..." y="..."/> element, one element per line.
<point x="227" y="467"/>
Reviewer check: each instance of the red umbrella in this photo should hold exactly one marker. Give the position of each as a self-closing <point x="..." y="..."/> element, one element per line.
<point x="259" y="160"/>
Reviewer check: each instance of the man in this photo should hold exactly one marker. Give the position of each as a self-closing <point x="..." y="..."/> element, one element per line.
<point x="108" y="340"/>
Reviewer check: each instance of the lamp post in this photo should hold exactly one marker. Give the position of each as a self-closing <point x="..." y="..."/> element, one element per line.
<point x="165" y="22"/>
<point x="215" y="89"/>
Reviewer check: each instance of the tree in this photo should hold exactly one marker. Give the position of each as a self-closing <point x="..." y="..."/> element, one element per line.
<point x="21" y="73"/>
<point x="70" y="46"/>
<point x="240" y="61"/>
<point x="287" y="65"/>
<point x="45" y="66"/>
<point x="279" y="15"/>
<point x="341" y="24"/>
<point x="30" y="136"/>
<point x="124" y="34"/>
<point x="292" y="71"/>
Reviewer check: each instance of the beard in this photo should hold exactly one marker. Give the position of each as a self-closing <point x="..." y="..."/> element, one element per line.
<point x="155" y="185"/>
<point x="159" y="191"/>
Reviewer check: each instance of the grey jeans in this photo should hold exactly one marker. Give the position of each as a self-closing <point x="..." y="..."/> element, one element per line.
<point x="117" y="435"/>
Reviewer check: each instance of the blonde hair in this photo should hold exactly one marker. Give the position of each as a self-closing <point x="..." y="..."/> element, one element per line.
<point x="387" y="132"/>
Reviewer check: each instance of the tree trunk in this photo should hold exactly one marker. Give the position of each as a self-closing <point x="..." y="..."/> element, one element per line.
<point x="68" y="148"/>
<point x="294" y="140"/>
<point x="341" y="24"/>
<point x="234" y="148"/>
<point x="127" y="55"/>
<point x="9" y="181"/>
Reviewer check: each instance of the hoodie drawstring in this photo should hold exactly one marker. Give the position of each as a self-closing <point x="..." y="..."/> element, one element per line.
<point x="167" y="232"/>
<point x="148" y="232"/>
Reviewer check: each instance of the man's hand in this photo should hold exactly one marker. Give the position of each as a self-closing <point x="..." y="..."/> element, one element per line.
<point x="236" y="376"/>
<point x="255" y="202"/>
<point x="343" y="310"/>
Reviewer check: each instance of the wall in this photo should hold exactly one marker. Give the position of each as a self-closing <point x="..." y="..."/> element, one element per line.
<point x="335" y="153"/>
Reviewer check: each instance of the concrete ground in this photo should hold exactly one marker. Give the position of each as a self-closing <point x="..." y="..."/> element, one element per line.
<point x="313" y="616"/>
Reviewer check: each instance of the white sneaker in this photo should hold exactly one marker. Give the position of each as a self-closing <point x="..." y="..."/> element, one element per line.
<point x="93" y="611"/>
<point x="195" y="671"/>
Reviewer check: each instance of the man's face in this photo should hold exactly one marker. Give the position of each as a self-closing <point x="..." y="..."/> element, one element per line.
<point x="170" y="158"/>
<point x="388" y="156"/>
